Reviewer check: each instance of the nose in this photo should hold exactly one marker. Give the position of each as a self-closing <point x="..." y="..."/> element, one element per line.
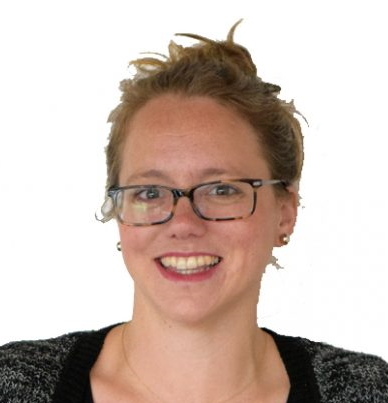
<point x="185" y="222"/>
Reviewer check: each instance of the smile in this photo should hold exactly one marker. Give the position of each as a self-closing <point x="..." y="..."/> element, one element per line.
<point x="189" y="265"/>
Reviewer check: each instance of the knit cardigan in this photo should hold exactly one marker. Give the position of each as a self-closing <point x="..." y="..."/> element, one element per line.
<point x="57" y="370"/>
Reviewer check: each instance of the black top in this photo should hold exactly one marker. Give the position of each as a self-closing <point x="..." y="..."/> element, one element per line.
<point x="88" y="395"/>
<point x="58" y="370"/>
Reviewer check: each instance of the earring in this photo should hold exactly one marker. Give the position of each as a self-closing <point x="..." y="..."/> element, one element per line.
<point x="118" y="246"/>
<point x="285" y="239"/>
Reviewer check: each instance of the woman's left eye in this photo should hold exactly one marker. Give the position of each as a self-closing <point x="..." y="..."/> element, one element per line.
<point x="223" y="190"/>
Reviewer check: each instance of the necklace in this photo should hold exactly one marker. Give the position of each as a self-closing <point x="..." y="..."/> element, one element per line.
<point x="159" y="399"/>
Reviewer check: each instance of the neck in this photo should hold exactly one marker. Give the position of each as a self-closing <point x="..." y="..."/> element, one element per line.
<point x="212" y="361"/>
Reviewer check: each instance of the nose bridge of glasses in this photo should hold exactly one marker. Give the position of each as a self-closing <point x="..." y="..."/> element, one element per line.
<point x="178" y="193"/>
<point x="189" y="193"/>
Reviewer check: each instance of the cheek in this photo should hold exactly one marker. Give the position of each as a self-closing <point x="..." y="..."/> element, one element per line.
<point x="259" y="240"/>
<point x="258" y="247"/>
<point x="251" y="242"/>
<point x="134" y="244"/>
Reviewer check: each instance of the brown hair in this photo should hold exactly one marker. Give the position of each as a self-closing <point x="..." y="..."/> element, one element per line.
<point x="224" y="71"/>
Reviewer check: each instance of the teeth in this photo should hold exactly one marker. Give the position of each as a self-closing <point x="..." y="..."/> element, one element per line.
<point x="201" y="261"/>
<point x="182" y="263"/>
<point x="189" y="265"/>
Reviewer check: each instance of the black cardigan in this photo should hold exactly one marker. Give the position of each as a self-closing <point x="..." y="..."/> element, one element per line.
<point x="57" y="370"/>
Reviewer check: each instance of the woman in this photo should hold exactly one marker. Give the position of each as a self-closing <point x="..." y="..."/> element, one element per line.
<point x="203" y="167"/>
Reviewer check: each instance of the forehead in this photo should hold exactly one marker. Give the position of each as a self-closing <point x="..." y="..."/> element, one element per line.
<point x="180" y="134"/>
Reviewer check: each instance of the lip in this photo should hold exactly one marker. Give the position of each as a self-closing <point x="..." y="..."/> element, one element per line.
<point x="173" y="275"/>
<point x="187" y="254"/>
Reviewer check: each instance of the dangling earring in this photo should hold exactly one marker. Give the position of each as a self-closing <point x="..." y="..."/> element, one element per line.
<point x="118" y="246"/>
<point x="285" y="239"/>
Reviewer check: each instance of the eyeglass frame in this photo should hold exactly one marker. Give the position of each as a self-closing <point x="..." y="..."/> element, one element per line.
<point x="177" y="193"/>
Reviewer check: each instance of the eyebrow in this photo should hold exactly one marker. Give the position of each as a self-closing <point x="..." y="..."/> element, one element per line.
<point x="152" y="173"/>
<point x="157" y="174"/>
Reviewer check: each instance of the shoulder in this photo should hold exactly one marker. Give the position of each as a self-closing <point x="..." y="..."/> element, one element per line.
<point x="331" y="374"/>
<point x="30" y="370"/>
<point x="347" y="376"/>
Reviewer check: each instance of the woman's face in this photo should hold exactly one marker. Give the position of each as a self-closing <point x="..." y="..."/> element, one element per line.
<point x="180" y="142"/>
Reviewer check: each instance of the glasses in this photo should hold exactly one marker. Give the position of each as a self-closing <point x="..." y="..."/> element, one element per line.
<point x="143" y="205"/>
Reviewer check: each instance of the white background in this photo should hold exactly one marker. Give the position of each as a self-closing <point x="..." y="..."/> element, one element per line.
<point x="61" y="62"/>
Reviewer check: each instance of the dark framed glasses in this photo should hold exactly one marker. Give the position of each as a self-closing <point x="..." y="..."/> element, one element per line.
<point x="143" y="205"/>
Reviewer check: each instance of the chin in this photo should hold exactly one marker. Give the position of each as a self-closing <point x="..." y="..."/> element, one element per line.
<point x="189" y="314"/>
<point x="201" y="313"/>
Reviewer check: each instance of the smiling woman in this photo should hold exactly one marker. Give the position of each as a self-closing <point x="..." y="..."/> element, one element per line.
<point x="204" y="161"/>
<point x="180" y="141"/>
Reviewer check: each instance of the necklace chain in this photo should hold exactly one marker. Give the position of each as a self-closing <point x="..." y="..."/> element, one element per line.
<point x="152" y="392"/>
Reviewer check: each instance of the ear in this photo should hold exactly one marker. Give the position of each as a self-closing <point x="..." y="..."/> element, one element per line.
<point x="288" y="211"/>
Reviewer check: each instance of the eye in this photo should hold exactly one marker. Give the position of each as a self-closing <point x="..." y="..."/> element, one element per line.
<point x="224" y="189"/>
<point x="148" y="194"/>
